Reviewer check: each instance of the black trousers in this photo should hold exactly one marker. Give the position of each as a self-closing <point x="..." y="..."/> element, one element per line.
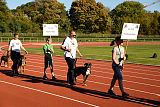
<point x="15" y="58"/>
<point x="71" y="66"/>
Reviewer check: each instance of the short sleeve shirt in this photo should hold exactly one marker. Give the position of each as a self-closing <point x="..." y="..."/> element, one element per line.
<point x="70" y="43"/>
<point x="119" y="54"/>
<point x="15" y="45"/>
<point x="47" y="47"/>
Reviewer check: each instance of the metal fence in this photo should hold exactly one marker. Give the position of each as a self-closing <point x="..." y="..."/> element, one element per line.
<point x="82" y="35"/>
<point x="38" y="39"/>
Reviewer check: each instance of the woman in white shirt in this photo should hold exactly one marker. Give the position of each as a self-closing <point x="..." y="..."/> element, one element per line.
<point x="117" y="66"/>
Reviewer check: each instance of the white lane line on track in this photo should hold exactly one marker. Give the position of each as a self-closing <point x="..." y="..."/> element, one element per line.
<point x="110" y="65"/>
<point x="99" y="62"/>
<point x="133" y="89"/>
<point x="126" y="70"/>
<point x="45" y="92"/>
<point x="111" y="69"/>
<point x="104" y="77"/>
<point x="105" y="84"/>
<point x="111" y="73"/>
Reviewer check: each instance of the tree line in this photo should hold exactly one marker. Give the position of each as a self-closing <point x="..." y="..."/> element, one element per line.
<point x="86" y="16"/>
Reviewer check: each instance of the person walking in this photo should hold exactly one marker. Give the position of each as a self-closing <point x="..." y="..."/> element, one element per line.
<point x="70" y="47"/>
<point x="48" y="51"/>
<point x="117" y="66"/>
<point x="14" y="46"/>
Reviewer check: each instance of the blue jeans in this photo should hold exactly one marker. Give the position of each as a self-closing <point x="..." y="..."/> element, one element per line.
<point x="117" y="72"/>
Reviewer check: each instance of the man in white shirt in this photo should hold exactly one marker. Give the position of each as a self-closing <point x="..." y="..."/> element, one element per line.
<point x="70" y="47"/>
<point x="14" y="46"/>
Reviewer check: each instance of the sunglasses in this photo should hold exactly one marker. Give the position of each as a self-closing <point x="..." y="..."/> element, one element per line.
<point x="73" y="35"/>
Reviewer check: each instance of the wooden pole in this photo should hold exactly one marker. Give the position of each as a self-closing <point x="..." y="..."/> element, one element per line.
<point x="125" y="52"/>
<point x="126" y="48"/>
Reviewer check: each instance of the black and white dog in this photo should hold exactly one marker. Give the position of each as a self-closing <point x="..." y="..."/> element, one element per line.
<point x="84" y="70"/>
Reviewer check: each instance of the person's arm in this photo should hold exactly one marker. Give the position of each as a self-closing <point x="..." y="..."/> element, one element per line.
<point x="24" y="49"/>
<point x="64" y="44"/>
<point x="114" y="58"/>
<point x="9" y="48"/>
<point x="79" y="52"/>
<point x="44" y="50"/>
<point x="63" y="48"/>
<point x="52" y="50"/>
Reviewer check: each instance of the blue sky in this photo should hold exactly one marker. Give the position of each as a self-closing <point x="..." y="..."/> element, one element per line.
<point x="12" y="4"/>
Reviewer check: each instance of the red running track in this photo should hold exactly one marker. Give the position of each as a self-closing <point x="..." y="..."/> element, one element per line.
<point x="30" y="90"/>
<point x="57" y="44"/>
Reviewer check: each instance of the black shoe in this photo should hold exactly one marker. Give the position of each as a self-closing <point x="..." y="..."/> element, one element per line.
<point x="16" y="74"/>
<point x="124" y="94"/>
<point x="54" y="78"/>
<point x="111" y="92"/>
<point x="45" y="77"/>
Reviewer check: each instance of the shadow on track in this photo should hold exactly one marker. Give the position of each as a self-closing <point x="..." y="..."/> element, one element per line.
<point x="95" y="93"/>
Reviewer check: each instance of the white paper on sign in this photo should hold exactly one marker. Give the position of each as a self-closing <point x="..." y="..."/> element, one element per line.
<point x="130" y="31"/>
<point x="50" y="29"/>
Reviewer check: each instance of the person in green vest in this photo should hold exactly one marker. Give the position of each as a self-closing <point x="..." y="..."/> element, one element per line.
<point x="48" y="51"/>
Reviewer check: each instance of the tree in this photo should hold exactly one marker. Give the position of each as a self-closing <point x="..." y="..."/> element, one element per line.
<point x="145" y="23"/>
<point x="128" y="11"/>
<point x="15" y="27"/>
<point x="47" y="12"/>
<point x="149" y="24"/>
<point x="4" y="27"/>
<point x="4" y="17"/>
<point x="21" y="21"/>
<point x="155" y="24"/>
<point x="89" y="16"/>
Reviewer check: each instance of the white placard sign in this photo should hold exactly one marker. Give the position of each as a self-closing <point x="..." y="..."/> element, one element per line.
<point x="130" y="31"/>
<point x="50" y="29"/>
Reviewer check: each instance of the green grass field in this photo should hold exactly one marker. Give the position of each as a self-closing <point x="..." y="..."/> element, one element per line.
<point x="136" y="53"/>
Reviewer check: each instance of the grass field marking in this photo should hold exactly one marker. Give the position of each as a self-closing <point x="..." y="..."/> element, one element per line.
<point x="104" y="77"/>
<point x="45" y="92"/>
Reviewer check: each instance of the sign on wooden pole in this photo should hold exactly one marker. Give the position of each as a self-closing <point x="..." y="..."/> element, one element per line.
<point x="50" y="30"/>
<point x="130" y="31"/>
